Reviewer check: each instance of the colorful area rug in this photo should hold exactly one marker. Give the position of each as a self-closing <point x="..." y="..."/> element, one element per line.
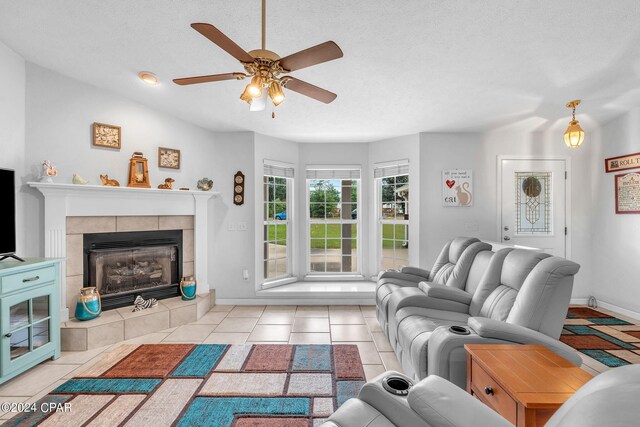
<point x="607" y="339"/>
<point x="207" y="385"/>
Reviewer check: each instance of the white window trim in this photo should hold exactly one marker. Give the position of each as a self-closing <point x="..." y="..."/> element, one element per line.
<point x="325" y="276"/>
<point x="267" y="283"/>
<point x="379" y="220"/>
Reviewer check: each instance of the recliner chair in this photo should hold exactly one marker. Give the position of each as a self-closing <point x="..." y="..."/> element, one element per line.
<point x="449" y="257"/>
<point x="609" y="399"/>
<point x="523" y="298"/>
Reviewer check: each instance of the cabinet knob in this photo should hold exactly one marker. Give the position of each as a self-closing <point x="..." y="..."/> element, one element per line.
<point x="488" y="390"/>
<point x="8" y="335"/>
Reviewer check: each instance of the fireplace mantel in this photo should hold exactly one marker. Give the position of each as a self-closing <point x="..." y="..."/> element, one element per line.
<point x="65" y="200"/>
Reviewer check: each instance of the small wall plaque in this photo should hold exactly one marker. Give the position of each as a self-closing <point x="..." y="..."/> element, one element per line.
<point x="628" y="193"/>
<point x="168" y="158"/>
<point x="108" y="136"/>
<point x="620" y="163"/>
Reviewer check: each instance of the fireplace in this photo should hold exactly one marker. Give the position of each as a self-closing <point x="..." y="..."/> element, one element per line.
<point x="124" y="265"/>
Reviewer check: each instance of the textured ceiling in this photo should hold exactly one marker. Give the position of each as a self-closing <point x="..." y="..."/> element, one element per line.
<point x="408" y="66"/>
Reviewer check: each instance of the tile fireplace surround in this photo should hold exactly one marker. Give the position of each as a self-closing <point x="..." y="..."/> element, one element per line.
<point x="72" y="210"/>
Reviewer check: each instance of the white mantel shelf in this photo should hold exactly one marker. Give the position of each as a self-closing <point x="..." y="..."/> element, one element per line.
<point x="65" y="200"/>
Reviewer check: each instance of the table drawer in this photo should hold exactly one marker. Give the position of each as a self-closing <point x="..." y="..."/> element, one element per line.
<point x="28" y="278"/>
<point x="504" y="404"/>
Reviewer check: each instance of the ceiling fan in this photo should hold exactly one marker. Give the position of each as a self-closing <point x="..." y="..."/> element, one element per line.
<point x="265" y="68"/>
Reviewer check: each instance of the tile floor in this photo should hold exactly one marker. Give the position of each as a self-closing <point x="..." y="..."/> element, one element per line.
<point x="237" y="325"/>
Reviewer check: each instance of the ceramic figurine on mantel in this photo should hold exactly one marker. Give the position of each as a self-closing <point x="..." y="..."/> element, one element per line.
<point x="77" y="179"/>
<point x="48" y="172"/>
<point x="168" y="184"/>
<point x="109" y="182"/>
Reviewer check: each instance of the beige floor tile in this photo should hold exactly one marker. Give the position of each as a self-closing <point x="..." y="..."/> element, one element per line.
<point x="390" y="361"/>
<point x="311" y="324"/>
<point x="372" y="371"/>
<point x="35" y="380"/>
<point x="309" y="338"/>
<point x="237" y="324"/>
<point x="312" y="311"/>
<point x="350" y="333"/>
<point x="270" y="333"/>
<point x="368" y="310"/>
<point x="169" y="330"/>
<point x="153" y="338"/>
<point x="212" y="318"/>
<point x="382" y="344"/>
<point x="344" y="308"/>
<point x="224" y="308"/>
<point x="373" y="324"/>
<point x="190" y="333"/>
<point x="276" y="318"/>
<point x="267" y="342"/>
<point x="246" y="311"/>
<point x="280" y="309"/>
<point x="78" y="357"/>
<point x="226" y="338"/>
<point x="368" y="352"/>
<point x="346" y="317"/>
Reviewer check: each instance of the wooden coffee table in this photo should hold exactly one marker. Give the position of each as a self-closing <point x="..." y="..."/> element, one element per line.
<point x="525" y="384"/>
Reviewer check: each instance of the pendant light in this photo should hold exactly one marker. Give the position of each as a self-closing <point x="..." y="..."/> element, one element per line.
<point x="574" y="135"/>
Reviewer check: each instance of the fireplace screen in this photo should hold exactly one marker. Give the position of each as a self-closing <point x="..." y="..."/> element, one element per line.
<point x="124" y="270"/>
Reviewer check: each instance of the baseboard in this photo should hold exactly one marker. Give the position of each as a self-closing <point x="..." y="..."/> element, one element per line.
<point x="613" y="307"/>
<point x="295" y="301"/>
<point x="579" y="301"/>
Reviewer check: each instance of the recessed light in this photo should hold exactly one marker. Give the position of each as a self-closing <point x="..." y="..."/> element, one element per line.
<point x="149" y="78"/>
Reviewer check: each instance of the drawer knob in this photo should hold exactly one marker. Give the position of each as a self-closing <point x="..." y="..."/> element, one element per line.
<point x="30" y="279"/>
<point x="488" y="390"/>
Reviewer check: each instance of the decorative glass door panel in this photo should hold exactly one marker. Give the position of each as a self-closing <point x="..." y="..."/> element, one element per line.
<point x="29" y="324"/>
<point x="533" y="203"/>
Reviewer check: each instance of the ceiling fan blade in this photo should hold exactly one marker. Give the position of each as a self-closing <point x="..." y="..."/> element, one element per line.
<point x="308" y="89"/>
<point x="209" y="78"/>
<point x="323" y="52"/>
<point x="225" y="43"/>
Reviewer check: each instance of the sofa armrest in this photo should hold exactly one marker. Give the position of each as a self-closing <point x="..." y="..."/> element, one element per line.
<point x="490" y="328"/>
<point x="416" y="271"/>
<point x="396" y="275"/>
<point x="445" y="292"/>
<point x="440" y="403"/>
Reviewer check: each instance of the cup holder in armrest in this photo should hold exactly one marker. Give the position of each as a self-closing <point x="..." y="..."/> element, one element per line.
<point x="460" y="330"/>
<point x="397" y="385"/>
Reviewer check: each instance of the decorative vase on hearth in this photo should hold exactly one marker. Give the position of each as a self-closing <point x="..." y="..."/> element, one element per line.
<point x="188" y="288"/>
<point x="89" y="305"/>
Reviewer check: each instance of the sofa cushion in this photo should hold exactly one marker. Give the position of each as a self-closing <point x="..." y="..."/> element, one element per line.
<point x="356" y="413"/>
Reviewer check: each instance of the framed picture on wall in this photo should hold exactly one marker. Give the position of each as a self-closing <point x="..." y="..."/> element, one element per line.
<point x="628" y="193"/>
<point x="628" y="161"/>
<point x="168" y="158"/>
<point x="457" y="187"/>
<point x="108" y="136"/>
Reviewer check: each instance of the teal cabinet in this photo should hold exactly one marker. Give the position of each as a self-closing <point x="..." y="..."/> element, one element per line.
<point x="29" y="314"/>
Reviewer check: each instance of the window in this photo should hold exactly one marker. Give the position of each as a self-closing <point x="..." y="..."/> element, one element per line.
<point x="277" y="222"/>
<point x="393" y="215"/>
<point x="333" y="224"/>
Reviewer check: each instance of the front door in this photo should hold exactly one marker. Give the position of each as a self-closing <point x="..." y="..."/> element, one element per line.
<point x="533" y="203"/>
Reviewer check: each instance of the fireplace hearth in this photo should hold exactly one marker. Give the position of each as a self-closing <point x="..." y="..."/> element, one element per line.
<point x="124" y="265"/>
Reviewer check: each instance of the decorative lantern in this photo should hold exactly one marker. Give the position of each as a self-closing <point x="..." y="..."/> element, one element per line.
<point x="138" y="171"/>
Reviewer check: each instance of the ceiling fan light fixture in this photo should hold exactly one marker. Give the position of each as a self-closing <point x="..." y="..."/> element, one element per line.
<point x="259" y="103"/>
<point x="246" y="96"/>
<point x="149" y="78"/>
<point x="255" y="87"/>
<point x="275" y="93"/>
<point x="574" y="135"/>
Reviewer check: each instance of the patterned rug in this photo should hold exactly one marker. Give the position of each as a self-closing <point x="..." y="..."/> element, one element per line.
<point x="609" y="340"/>
<point x="206" y="385"/>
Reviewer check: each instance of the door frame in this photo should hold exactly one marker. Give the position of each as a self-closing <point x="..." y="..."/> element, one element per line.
<point x="567" y="193"/>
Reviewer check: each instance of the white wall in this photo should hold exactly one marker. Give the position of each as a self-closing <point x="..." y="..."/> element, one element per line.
<point x="616" y="237"/>
<point x="12" y="129"/>
<point x="60" y="112"/>
<point x="479" y="152"/>
<point x="401" y="148"/>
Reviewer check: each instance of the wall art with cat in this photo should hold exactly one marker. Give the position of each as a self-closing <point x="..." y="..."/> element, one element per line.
<point x="457" y="187"/>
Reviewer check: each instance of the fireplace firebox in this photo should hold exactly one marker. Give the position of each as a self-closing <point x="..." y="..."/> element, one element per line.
<point x="127" y="264"/>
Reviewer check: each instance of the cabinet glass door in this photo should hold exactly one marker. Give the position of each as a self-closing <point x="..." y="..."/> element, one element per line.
<point x="29" y="327"/>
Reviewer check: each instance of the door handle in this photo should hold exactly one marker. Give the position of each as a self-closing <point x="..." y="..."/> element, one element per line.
<point x="507" y="238"/>
<point x="506" y="228"/>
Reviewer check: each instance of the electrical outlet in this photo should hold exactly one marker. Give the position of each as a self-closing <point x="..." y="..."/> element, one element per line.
<point x="242" y="226"/>
<point x="231" y="226"/>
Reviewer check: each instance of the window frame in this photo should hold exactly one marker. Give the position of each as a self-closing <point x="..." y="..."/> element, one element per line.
<point x="324" y="275"/>
<point x="268" y="282"/>
<point x="381" y="222"/>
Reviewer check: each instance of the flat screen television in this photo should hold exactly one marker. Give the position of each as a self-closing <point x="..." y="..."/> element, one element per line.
<point x="7" y="214"/>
